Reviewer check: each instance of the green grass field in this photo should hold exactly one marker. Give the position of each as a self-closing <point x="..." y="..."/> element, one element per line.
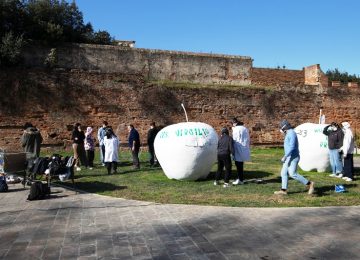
<point x="151" y="184"/>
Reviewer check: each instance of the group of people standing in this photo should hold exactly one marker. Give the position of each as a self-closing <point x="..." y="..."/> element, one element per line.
<point x="84" y="146"/>
<point x="341" y="146"/>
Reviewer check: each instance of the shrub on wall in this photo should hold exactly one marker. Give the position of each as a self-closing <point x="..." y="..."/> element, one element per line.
<point x="11" y="49"/>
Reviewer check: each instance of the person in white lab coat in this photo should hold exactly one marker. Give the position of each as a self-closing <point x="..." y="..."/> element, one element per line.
<point x="111" y="142"/>
<point x="241" y="138"/>
<point x="348" y="150"/>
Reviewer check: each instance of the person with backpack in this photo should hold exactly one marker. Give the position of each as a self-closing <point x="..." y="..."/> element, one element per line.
<point x="90" y="147"/>
<point x="111" y="142"/>
<point x="31" y="141"/>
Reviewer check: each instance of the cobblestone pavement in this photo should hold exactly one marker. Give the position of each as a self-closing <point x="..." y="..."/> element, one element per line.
<point x="71" y="225"/>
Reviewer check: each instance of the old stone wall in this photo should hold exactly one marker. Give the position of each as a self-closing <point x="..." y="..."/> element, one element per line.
<point x="276" y="77"/>
<point x="156" y="65"/>
<point x="54" y="100"/>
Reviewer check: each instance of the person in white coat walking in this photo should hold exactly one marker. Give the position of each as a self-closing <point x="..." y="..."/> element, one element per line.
<point x="241" y="138"/>
<point x="111" y="142"/>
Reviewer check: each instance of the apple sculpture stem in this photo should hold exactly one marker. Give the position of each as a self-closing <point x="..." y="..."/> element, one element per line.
<point x="187" y="120"/>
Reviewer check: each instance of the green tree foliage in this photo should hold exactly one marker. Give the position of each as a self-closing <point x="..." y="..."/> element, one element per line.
<point x="10" y="49"/>
<point x="336" y="75"/>
<point x="48" y="22"/>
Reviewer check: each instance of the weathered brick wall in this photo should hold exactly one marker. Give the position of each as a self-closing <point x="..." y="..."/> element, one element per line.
<point x="55" y="100"/>
<point x="276" y="77"/>
<point x="155" y="65"/>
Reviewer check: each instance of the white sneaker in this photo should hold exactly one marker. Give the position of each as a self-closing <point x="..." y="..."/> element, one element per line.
<point x="333" y="175"/>
<point x="237" y="182"/>
<point x="216" y="183"/>
<point x="226" y="185"/>
<point x="78" y="169"/>
<point x="340" y="175"/>
<point x="348" y="179"/>
<point x="90" y="168"/>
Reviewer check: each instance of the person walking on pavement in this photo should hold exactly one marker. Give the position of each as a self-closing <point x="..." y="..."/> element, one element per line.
<point x="241" y="137"/>
<point x="291" y="159"/>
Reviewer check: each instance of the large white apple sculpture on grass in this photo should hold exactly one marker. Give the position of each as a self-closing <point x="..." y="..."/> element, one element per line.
<point x="313" y="147"/>
<point x="186" y="151"/>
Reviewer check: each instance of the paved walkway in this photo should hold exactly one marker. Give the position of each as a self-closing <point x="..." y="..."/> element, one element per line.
<point x="88" y="226"/>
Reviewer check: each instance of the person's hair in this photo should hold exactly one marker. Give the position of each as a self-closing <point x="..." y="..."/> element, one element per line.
<point x="109" y="133"/>
<point x="105" y="123"/>
<point x="224" y="130"/>
<point x="27" y="125"/>
<point x="131" y="126"/>
<point x="152" y="124"/>
<point x="234" y="121"/>
<point x="76" y="126"/>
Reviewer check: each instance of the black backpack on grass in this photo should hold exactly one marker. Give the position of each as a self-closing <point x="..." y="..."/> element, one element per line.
<point x="39" y="191"/>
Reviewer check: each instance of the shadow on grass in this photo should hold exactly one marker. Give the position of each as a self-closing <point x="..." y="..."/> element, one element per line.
<point x="325" y="190"/>
<point x="247" y="175"/>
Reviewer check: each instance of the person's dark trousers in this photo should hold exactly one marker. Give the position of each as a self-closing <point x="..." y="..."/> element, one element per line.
<point x="110" y="165"/>
<point x="135" y="156"/>
<point x="152" y="154"/>
<point x="224" y="160"/>
<point x="90" y="157"/>
<point x="102" y="151"/>
<point x="82" y="155"/>
<point x="349" y="166"/>
<point x="240" y="170"/>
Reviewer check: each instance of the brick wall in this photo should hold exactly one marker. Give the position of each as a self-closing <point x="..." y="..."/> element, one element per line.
<point x="55" y="100"/>
<point x="276" y="77"/>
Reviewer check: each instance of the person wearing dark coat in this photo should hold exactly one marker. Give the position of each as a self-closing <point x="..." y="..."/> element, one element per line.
<point x="134" y="145"/>
<point x="225" y="149"/>
<point x="31" y="140"/>
<point x="150" y="140"/>
<point x="335" y="142"/>
<point x="78" y="138"/>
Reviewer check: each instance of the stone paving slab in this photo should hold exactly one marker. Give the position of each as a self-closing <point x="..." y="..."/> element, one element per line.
<point x="73" y="225"/>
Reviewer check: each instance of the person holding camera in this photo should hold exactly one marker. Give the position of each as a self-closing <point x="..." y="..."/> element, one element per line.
<point x="335" y="141"/>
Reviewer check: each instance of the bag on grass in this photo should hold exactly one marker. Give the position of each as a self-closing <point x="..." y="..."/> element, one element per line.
<point x="39" y="191"/>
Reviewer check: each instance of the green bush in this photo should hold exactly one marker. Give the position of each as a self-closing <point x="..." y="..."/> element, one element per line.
<point x="11" y="49"/>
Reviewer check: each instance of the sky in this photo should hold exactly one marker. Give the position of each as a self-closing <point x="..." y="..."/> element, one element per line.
<point x="290" y="33"/>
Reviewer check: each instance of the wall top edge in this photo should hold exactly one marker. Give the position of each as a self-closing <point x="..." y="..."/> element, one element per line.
<point x="111" y="47"/>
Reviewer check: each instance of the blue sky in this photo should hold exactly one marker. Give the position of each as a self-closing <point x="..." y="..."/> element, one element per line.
<point x="291" y="33"/>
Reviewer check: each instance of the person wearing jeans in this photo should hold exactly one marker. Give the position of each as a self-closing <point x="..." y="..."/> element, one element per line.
<point x="290" y="160"/>
<point x="335" y="141"/>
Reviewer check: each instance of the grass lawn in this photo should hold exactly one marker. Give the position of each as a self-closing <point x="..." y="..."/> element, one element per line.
<point x="151" y="184"/>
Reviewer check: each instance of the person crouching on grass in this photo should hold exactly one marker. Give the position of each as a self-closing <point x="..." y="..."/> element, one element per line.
<point x="291" y="160"/>
<point x="225" y="149"/>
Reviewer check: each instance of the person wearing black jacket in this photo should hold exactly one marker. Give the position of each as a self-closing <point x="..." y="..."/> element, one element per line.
<point x="134" y="145"/>
<point x="150" y="141"/>
<point x="225" y="149"/>
<point x="335" y="141"/>
<point x="78" y="137"/>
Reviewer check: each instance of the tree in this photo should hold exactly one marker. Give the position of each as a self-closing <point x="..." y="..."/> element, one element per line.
<point x="10" y="49"/>
<point x="336" y="75"/>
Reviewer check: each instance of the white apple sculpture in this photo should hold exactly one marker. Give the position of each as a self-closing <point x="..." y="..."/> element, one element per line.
<point x="186" y="151"/>
<point x="313" y="147"/>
